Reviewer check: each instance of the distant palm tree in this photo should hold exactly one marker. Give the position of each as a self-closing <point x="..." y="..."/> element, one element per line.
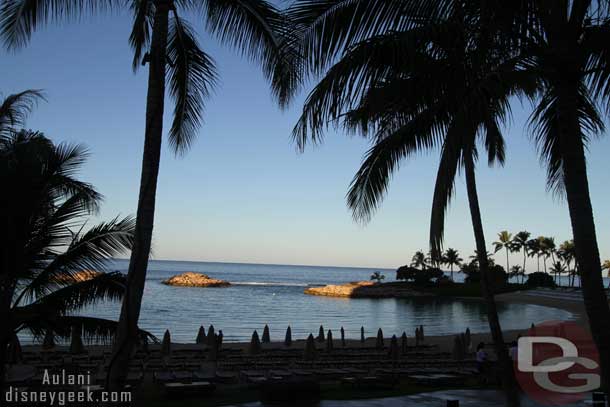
<point x="451" y="257"/>
<point x="419" y="260"/>
<point x="505" y="241"/>
<point x="566" y="254"/>
<point x="520" y="244"/>
<point x="256" y="28"/>
<point x="606" y="266"/>
<point x="558" y="269"/>
<point x="534" y="250"/>
<point x="44" y="244"/>
<point x="516" y="271"/>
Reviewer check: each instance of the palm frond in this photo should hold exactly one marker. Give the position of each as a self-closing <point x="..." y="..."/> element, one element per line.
<point x="139" y="38"/>
<point x="78" y="294"/>
<point x="370" y="183"/>
<point x="20" y="18"/>
<point x="15" y="108"/>
<point x="89" y="251"/>
<point x="192" y="76"/>
<point x="259" y="31"/>
<point x="450" y="162"/>
<point x="328" y="27"/>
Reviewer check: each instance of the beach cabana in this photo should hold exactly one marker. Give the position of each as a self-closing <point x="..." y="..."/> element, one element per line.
<point x="329" y="341"/>
<point x="310" y="348"/>
<point x="361" y="334"/>
<point x="321" y="334"/>
<point x="210" y="337"/>
<point x="403" y="343"/>
<point x="393" y="352"/>
<point x="379" y="342"/>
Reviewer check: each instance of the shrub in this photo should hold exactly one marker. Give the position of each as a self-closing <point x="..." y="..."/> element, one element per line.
<point x="540" y="279"/>
<point x="419" y="277"/>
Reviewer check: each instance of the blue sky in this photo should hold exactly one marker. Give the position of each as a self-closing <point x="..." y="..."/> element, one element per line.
<point x="243" y="193"/>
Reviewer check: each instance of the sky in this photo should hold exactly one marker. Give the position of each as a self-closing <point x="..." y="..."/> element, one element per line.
<point x="243" y="193"/>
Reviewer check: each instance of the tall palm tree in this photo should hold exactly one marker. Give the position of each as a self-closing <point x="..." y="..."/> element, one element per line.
<point x="43" y="244"/>
<point x="419" y="260"/>
<point x="520" y="244"/>
<point x="566" y="254"/>
<point x="256" y="28"/>
<point x="564" y="45"/>
<point x="558" y="268"/>
<point x="464" y="101"/>
<point x="451" y="257"/>
<point x="505" y="241"/>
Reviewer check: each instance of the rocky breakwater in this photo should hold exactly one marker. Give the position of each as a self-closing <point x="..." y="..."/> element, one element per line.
<point x="191" y="279"/>
<point x="365" y="289"/>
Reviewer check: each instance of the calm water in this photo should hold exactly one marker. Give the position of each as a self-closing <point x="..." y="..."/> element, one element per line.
<point x="273" y="294"/>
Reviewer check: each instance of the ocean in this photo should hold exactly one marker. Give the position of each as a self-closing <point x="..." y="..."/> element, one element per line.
<point x="273" y="294"/>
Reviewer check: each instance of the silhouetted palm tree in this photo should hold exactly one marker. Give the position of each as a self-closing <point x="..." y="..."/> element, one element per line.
<point x="434" y="85"/>
<point x="419" y="260"/>
<point x="505" y="241"/>
<point x="558" y="268"/>
<point x="566" y="254"/>
<point x="520" y="244"/>
<point x="566" y="48"/>
<point x="44" y="245"/>
<point x="516" y="271"/>
<point x="256" y="28"/>
<point x="451" y="257"/>
<point x="534" y="250"/>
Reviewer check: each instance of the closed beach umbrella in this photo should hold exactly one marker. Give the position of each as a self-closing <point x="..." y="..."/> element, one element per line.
<point x="310" y="348"/>
<point x="362" y="334"/>
<point x="219" y="338"/>
<point x="342" y="337"/>
<point x="266" y="337"/>
<point x="403" y="343"/>
<point x="394" y="348"/>
<point x="49" y="340"/>
<point x="321" y="334"/>
<point x="417" y="337"/>
<point x="329" y="341"/>
<point x="288" y="337"/>
<point x="210" y="338"/>
<point x="255" y="344"/>
<point x="166" y="343"/>
<point x="379" y="342"/>
<point x="200" y="336"/>
<point x="15" y="356"/>
<point x="468" y="339"/>
<point x="76" y="342"/>
<point x="421" y="333"/>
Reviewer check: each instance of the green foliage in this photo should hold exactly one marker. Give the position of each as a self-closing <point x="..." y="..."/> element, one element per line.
<point x="540" y="279"/>
<point x="377" y="276"/>
<point x="419" y="277"/>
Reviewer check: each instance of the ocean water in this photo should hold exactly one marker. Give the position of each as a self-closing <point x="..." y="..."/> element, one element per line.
<point x="273" y="295"/>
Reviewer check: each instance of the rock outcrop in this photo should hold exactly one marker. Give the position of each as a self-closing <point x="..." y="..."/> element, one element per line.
<point x="191" y="279"/>
<point x="365" y="289"/>
<point x="79" y="276"/>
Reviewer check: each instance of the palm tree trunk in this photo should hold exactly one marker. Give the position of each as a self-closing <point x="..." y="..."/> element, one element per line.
<point x="127" y="335"/>
<point x="524" y="260"/>
<point x="583" y="225"/>
<point x="509" y="383"/>
<point x="507" y="263"/>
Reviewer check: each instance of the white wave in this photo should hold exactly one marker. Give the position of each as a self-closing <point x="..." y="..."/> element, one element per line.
<point x="269" y="284"/>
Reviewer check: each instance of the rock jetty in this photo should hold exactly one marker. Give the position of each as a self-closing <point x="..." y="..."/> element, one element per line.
<point x="365" y="289"/>
<point x="191" y="279"/>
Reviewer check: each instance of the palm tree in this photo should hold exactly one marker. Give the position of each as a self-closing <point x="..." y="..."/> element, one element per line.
<point x="451" y="257"/>
<point x="516" y="271"/>
<point x="505" y="241"/>
<point x="44" y="244"/>
<point x="566" y="254"/>
<point x="457" y="95"/>
<point x="419" y="260"/>
<point x="606" y="266"/>
<point x="520" y="244"/>
<point x="563" y="45"/>
<point x="534" y="250"/>
<point x="256" y="28"/>
<point x="558" y="268"/>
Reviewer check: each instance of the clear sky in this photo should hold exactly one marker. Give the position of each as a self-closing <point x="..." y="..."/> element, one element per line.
<point x="243" y="193"/>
